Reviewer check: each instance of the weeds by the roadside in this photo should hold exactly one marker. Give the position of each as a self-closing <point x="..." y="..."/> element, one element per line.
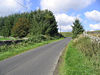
<point x="82" y="57"/>
<point x="91" y="49"/>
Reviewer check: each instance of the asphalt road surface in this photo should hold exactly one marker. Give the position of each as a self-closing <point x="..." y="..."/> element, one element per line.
<point x="40" y="61"/>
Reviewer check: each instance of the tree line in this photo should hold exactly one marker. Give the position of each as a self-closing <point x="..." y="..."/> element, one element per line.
<point x="29" y="24"/>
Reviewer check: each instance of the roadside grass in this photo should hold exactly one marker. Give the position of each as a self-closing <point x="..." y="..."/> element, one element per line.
<point x="80" y="59"/>
<point x="61" y="65"/>
<point x="20" y="48"/>
<point x="67" y="34"/>
<point x="74" y="63"/>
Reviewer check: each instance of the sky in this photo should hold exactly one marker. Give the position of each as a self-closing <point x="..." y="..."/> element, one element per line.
<point x="65" y="11"/>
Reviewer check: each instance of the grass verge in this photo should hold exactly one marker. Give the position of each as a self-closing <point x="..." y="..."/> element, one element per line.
<point x="74" y="62"/>
<point x="20" y="49"/>
<point x="60" y="64"/>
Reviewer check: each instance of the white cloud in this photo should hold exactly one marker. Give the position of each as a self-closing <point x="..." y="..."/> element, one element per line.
<point x="67" y="28"/>
<point x="93" y="15"/>
<point x="12" y="6"/>
<point x="64" y="5"/>
<point x="65" y="21"/>
<point x="95" y="26"/>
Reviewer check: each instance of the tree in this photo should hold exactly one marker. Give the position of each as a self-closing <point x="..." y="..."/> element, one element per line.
<point x="40" y="22"/>
<point x="77" y="28"/>
<point x="52" y="29"/>
<point x="21" y="29"/>
<point x="43" y="22"/>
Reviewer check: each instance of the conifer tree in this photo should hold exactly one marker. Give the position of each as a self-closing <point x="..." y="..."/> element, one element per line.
<point x="77" y="28"/>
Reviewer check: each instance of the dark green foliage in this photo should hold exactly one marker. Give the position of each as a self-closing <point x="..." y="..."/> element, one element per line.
<point x="40" y="22"/>
<point x="43" y="22"/>
<point x="5" y="27"/>
<point x="77" y="28"/>
<point x="6" y="24"/>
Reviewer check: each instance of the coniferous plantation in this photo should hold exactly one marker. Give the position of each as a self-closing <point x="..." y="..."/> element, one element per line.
<point x="33" y="23"/>
<point x="38" y="27"/>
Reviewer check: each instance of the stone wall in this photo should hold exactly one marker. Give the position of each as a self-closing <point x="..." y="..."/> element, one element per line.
<point x="93" y="38"/>
<point x="9" y="42"/>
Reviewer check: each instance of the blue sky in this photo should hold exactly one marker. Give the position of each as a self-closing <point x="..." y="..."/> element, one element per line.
<point x="65" y="11"/>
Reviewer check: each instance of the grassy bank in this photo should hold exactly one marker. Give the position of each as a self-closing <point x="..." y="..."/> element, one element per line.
<point x="81" y="58"/>
<point x="12" y="50"/>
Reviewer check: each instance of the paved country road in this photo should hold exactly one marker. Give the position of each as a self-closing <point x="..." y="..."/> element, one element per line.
<point x="40" y="61"/>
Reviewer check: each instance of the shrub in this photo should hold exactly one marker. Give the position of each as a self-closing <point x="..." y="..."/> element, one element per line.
<point x="37" y="38"/>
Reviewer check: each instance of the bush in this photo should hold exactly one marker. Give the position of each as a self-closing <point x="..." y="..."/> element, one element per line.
<point x="37" y="38"/>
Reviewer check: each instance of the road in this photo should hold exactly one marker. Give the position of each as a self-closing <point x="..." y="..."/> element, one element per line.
<point x="40" y="61"/>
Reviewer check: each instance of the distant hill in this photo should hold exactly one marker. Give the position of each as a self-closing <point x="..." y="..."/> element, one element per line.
<point x="94" y="33"/>
<point x="97" y="32"/>
<point x="67" y="34"/>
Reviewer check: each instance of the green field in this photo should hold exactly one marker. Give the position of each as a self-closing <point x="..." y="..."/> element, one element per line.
<point x="67" y="34"/>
